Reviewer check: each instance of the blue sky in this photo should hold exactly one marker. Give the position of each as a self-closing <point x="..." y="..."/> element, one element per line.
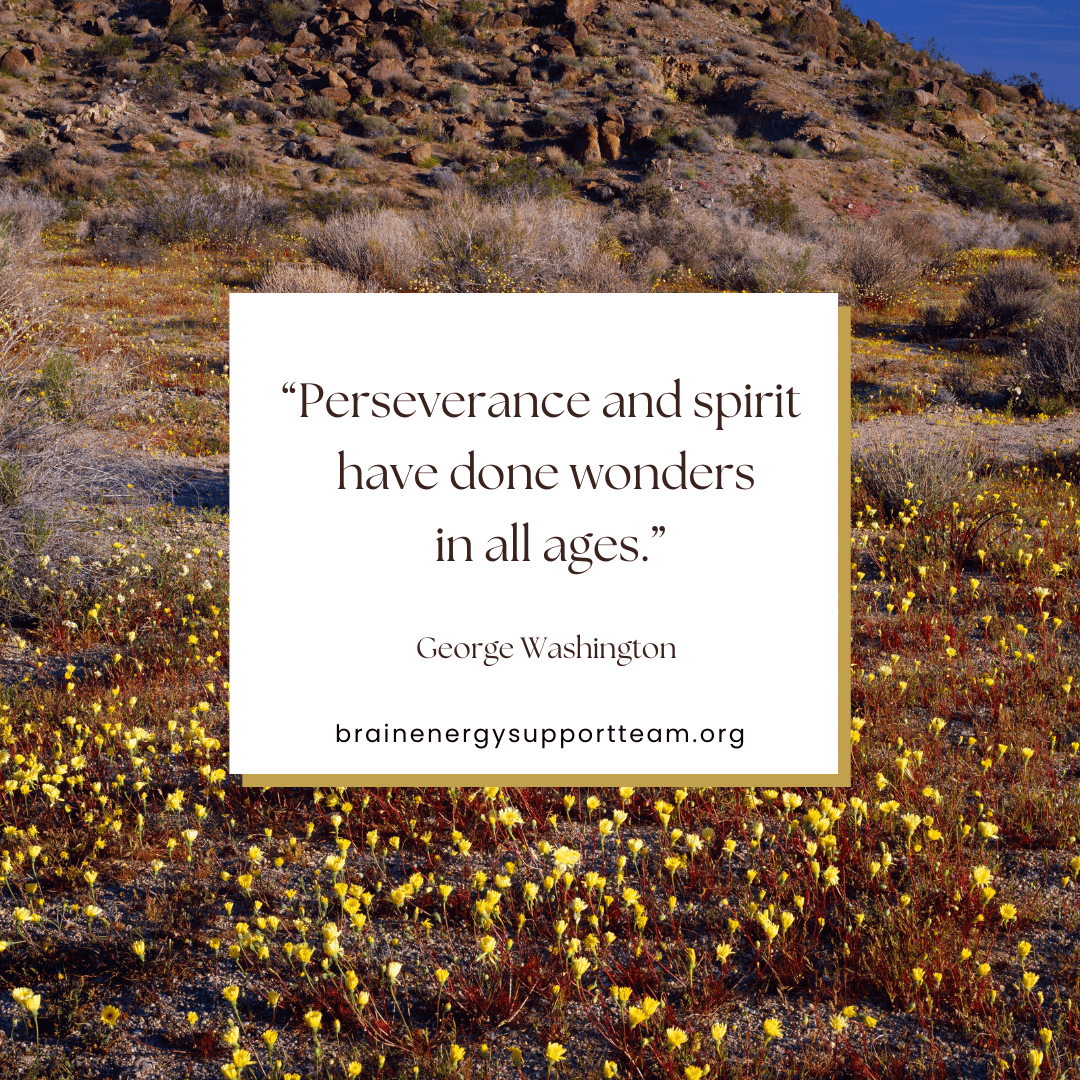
<point x="1008" y="38"/>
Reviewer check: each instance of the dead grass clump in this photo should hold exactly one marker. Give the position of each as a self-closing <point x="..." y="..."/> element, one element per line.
<point x="876" y="268"/>
<point x="1010" y="293"/>
<point x="306" y="278"/>
<point x="375" y="246"/>
<point x="1052" y="353"/>
<point x="906" y="476"/>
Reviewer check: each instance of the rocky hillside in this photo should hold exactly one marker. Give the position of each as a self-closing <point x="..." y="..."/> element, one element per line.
<point x="798" y="109"/>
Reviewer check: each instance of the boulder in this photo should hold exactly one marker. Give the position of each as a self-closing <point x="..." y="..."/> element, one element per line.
<point x="141" y="145"/>
<point x="14" y="62"/>
<point x="949" y="92"/>
<point x="816" y="29"/>
<point x="418" y="154"/>
<point x="385" y="71"/>
<point x="609" y="139"/>
<point x="333" y="79"/>
<point x="1032" y="91"/>
<point x="923" y="99"/>
<point x="523" y="76"/>
<point x="177" y="8"/>
<point x="971" y="131"/>
<point x="576" y="10"/>
<point x="143" y="26"/>
<point x="339" y="95"/>
<point x="247" y="46"/>
<point x="964" y="112"/>
<point x="358" y="9"/>
<point x="985" y="101"/>
<point x="587" y="145"/>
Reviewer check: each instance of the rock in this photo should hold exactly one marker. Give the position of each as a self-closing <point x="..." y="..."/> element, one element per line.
<point x="177" y="8"/>
<point x="143" y="26"/>
<point x="985" y="101"/>
<point x="141" y="145"/>
<point x="509" y="20"/>
<point x="610" y="141"/>
<point x="259" y="71"/>
<point x="385" y="71"/>
<point x="1032" y="91"/>
<point x="811" y="66"/>
<point x="964" y="112"/>
<point x="576" y="10"/>
<point x="774" y="13"/>
<point x="195" y="116"/>
<point x="249" y="116"/>
<point x="339" y="95"/>
<point x="303" y="37"/>
<point x="247" y="46"/>
<point x="587" y="145"/>
<point x="949" y="92"/>
<point x="335" y="80"/>
<point x="971" y="131"/>
<point x="873" y="27"/>
<point x="925" y="130"/>
<point x="1058" y="149"/>
<point x="418" y="154"/>
<point x="577" y="33"/>
<point x="523" y="76"/>
<point x="7" y="18"/>
<point x="556" y="43"/>
<point x="358" y="9"/>
<point x="14" y="62"/>
<point x="816" y="29"/>
<point x="923" y="99"/>
<point x="101" y="26"/>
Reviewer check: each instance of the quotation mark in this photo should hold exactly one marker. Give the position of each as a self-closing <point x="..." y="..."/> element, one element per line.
<point x="290" y="388"/>
<point x="658" y="530"/>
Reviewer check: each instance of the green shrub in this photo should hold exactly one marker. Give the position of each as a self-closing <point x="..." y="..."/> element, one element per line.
<point x="221" y="129"/>
<point x="160" y="86"/>
<point x="345" y="157"/>
<point x="973" y="184"/>
<point x="372" y="126"/>
<point x="283" y="17"/>
<point x="185" y="29"/>
<point x="770" y="205"/>
<point x="865" y="47"/>
<point x="30" y="159"/>
<point x="109" y="47"/>
<point x="319" y="108"/>
<point x="520" y="177"/>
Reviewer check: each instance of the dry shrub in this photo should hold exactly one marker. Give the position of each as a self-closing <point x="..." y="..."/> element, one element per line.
<point x="47" y="397"/>
<point x="373" y="246"/>
<point x="24" y="214"/>
<point x="1052" y="355"/>
<point x="875" y="267"/>
<point x="935" y="475"/>
<point x="519" y="242"/>
<point x="726" y="249"/>
<point x="978" y="229"/>
<point x="71" y="178"/>
<point x="213" y="212"/>
<point x="1009" y="293"/>
<point x="1060" y="241"/>
<point x="306" y="278"/>
<point x="921" y="234"/>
